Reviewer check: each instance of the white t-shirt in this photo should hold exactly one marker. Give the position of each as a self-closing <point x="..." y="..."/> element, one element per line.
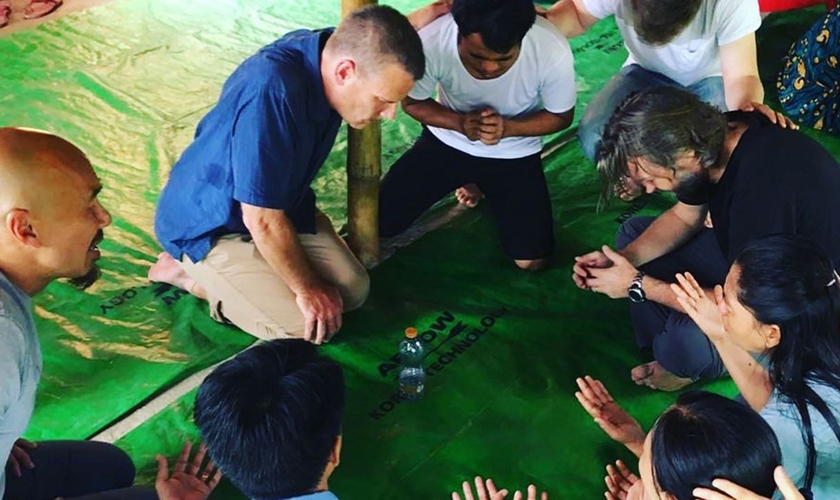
<point x="543" y="77"/>
<point x="694" y="54"/>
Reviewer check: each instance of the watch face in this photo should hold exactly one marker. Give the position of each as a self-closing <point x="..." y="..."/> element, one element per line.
<point x="636" y="295"/>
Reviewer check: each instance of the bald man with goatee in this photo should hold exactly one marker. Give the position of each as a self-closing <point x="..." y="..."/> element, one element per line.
<point x="52" y="224"/>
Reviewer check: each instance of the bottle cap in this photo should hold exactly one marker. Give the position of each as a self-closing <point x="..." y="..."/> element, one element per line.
<point x="411" y="333"/>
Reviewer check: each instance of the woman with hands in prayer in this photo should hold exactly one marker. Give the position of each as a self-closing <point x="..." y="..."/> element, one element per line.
<point x="781" y="302"/>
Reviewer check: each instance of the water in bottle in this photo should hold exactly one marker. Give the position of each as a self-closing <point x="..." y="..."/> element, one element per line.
<point x="412" y="373"/>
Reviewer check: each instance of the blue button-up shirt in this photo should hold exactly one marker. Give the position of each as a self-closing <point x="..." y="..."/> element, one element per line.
<point x="262" y="144"/>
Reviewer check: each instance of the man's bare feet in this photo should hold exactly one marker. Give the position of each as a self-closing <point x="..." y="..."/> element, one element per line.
<point x="167" y="270"/>
<point x="469" y="195"/>
<point x="654" y="376"/>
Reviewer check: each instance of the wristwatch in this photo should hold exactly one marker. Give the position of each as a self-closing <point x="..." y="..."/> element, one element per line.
<point x="635" y="292"/>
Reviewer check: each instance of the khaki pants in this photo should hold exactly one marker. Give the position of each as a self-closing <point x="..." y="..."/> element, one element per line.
<point x="243" y="290"/>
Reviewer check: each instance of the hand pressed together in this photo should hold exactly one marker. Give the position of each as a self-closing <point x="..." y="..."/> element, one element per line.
<point x="612" y="280"/>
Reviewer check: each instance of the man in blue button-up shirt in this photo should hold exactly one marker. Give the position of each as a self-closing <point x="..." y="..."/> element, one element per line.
<point x="238" y="219"/>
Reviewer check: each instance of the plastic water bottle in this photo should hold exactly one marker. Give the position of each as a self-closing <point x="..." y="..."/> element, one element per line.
<point x="412" y="373"/>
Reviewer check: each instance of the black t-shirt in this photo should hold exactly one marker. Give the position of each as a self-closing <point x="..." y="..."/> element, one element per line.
<point x="777" y="181"/>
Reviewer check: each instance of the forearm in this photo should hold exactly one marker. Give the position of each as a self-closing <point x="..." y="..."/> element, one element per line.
<point x="752" y="379"/>
<point x="744" y="90"/>
<point x="538" y="124"/>
<point x="636" y="448"/>
<point x="278" y="243"/>
<point x="432" y="113"/>
<point x="564" y="16"/>
<point x="666" y="233"/>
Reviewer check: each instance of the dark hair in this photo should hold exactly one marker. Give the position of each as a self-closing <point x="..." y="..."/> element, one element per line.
<point x="705" y="436"/>
<point x="378" y="35"/>
<point x="660" y="21"/>
<point x="659" y="124"/>
<point x="790" y="281"/>
<point x="502" y="24"/>
<point x="270" y="417"/>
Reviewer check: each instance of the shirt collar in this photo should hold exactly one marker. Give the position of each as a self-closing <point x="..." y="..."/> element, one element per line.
<point x="312" y="61"/>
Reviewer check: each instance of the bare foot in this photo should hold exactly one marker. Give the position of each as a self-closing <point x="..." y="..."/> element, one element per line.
<point x="469" y="195"/>
<point x="167" y="270"/>
<point x="654" y="376"/>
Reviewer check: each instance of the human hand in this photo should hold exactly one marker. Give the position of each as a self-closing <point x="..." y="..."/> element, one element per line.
<point x="19" y="457"/>
<point x="486" y="490"/>
<point x="425" y="15"/>
<point x="622" y="484"/>
<point x="583" y="263"/>
<point x="193" y="482"/>
<point x="321" y="307"/>
<point x="702" y="309"/>
<point x="774" y="116"/>
<point x="614" y="280"/>
<point x="492" y="127"/>
<point x="613" y="420"/>
<point x="732" y="491"/>
<point x="471" y="125"/>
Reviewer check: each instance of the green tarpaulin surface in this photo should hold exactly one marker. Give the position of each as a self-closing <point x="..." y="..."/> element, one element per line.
<point x="128" y="82"/>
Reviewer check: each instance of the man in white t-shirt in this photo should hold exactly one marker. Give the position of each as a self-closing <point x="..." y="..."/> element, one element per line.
<point x="503" y="78"/>
<point x="705" y="46"/>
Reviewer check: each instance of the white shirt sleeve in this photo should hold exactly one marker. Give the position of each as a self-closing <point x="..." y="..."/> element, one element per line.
<point x="558" y="90"/>
<point x="735" y="19"/>
<point x="601" y="8"/>
<point x="430" y="35"/>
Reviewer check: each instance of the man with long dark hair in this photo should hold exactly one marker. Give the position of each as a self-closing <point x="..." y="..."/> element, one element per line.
<point x="753" y="178"/>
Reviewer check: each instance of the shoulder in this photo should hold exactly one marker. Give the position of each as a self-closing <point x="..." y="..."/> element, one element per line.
<point x="547" y="40"/>
<point x="438" y="33"/>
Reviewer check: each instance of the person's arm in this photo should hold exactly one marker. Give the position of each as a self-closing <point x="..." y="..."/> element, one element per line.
<point x="276" y="239"/>
<point x="669" y="231"/>
<point x="706" y="310"/>
<point x="538" y="124"/>
<point x="423" y="16"/>
<point x="432" y="113"/>
<point x="752" y="379"/>
<point x="739" y="66"/>
<point x="570" y="17"/>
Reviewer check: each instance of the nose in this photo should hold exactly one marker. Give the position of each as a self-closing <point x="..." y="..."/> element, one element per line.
<point x="489" y="67"/>
<point x="103" y="215"/>
<point x="649" y="187"/>
<point x="390" y="112"/>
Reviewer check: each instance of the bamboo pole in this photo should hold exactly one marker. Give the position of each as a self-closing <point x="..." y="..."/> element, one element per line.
<point x="364" y="169"/>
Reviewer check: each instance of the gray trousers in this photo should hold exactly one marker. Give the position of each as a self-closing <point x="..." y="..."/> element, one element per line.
<point x="677" y="342"/>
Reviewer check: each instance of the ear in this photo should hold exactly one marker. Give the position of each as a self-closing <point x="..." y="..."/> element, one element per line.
<point x="335" y="456"/>
<point x="772" y="335"/>
<point x="20" y="227"/>
<point x="345" y="71"/>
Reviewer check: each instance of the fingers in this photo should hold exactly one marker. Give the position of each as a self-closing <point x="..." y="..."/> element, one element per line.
<point x="719" y="298"/>
<point x="707" y="494"/>
<point x="580" y="282"/>
<point x="27" y="444"/>
<point x="195" y="465"/>
<point x="215" y="478"/>
<point x="785" y="485"/>
<point x="456" y="496"/>
<point x="734" y="490"/>
<point x="467" y="489"/>
<point x="163" y="469"/>
<point x="480" y="489"/>
<point x="625" y="471"/>
<point x="611" y="254"/>
<point x="591" y="408"/>
<point x="586" y="388"/>
<point x="181" y="463"/>
<point x="22" y="457"/>
<point x="13" y="464"/>
<point x="599" y="389"/>
<point x="309" y="324"/>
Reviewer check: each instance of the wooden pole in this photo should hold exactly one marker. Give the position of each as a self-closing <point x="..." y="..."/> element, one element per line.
<point x="364" y="169"/>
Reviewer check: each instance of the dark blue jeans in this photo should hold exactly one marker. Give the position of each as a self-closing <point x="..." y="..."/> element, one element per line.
<point x="76" y="470"/>
<point x="677" y="342"/>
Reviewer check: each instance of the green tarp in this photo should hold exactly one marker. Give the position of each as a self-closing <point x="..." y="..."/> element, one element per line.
<point x="128" y="82"/>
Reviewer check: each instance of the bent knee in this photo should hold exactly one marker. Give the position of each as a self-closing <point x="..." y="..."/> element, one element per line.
<point x="532" y="265"/>
<point x="355" y="290"/>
